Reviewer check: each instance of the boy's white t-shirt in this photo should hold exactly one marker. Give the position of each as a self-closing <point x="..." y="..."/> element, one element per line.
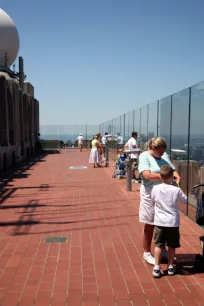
<point x="132" y="144"/>
<point x="165" y="199"/>
<point x="80" y="140"/>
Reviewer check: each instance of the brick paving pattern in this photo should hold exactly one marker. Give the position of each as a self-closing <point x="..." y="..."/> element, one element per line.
<point x="101" y="263"/>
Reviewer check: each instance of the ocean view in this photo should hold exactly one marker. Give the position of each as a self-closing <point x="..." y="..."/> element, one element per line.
<point x="63" y="137"/>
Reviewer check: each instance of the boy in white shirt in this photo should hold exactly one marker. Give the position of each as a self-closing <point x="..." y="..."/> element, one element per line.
<point x="166" y="197"/>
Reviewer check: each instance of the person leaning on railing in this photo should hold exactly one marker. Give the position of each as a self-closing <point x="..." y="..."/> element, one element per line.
<point x="150" y="163"/>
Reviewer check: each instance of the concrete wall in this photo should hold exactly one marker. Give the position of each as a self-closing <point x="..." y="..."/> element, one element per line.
<point x="28" y="88"/>
<point x="19" y="122"/>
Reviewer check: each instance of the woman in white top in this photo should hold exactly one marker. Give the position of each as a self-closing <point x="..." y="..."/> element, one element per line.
<point x="150" y="163"/>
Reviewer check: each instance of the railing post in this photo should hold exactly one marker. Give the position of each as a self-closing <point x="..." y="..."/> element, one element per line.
<point x="124" y="125"/>
<point x="147" y="122"/>
<point x="86" y="138"/>
<point x="107" y="154"/>
<point x="171" y="109"/>
<point x="140" y="121"/>
<point x="129" y="174"/>
<point x="189" y="139"/>
<point x="157" y="118"/>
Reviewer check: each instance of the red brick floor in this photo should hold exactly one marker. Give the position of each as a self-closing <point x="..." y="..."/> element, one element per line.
<point x="101" y="264"/>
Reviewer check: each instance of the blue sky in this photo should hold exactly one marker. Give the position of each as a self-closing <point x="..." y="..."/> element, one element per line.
<point x="93" y="60"/>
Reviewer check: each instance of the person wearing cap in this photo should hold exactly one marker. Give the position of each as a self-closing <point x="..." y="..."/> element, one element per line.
<point x="80" y="140"/>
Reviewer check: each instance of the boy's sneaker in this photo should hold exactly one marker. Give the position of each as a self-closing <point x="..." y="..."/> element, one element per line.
<point x="171" y="270"/>
<point x="156" y="272"/>
<point x="147" y="256"/>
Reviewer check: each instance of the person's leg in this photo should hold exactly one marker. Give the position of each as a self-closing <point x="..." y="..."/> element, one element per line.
<point x="133" y="171"/>
<point x="159" y="242"/>
<point x="147" y="237"/>
<point x="146" y="216"/>
<point x="104" y="151"/>
<point x="171" y="268"/>
<point x="171" y="256"/>
<point x="157" y="255"/>
<point x="173" y="242"/>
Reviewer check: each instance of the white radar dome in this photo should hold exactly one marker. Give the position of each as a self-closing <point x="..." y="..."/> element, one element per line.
<point x="9" y="39"/>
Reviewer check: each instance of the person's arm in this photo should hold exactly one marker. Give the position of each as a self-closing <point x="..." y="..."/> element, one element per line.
<point x="98" y="144"/>
<point x="126" y="145"/>
<point x="144" y="168"/>
<point x="182" y="197"/>
<point x="151" y="176"/>
<point x="177" y="177"/>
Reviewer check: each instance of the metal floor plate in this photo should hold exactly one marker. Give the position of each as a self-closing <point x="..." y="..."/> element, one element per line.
<point x="56" y="239"/>
<point x="78" y="167"/>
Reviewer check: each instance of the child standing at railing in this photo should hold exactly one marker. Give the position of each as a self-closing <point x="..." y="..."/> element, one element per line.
<point x="165" y="198"/>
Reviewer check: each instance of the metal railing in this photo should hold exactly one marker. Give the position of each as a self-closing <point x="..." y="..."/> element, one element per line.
<point x="179" y="119"/>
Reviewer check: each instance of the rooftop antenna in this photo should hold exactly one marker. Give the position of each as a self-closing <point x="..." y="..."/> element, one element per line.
<point x="21" y="73"/>
<point x="6" y="60"/>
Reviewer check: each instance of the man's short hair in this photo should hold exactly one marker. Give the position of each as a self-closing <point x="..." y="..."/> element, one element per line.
<point x="134" y="134"/>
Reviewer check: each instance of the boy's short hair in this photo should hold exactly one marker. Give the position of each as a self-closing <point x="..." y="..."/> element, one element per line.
<point x="166" y="172"/>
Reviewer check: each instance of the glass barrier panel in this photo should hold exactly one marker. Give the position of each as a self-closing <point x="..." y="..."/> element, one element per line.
<point x="130" y="123"/>
<point x="143" y="128"/>
<point x="179" y="138"/>
<point x="49" y="137"/>
<point x="122" y="126"/>
<point x="126" y="134"/>
<point x="196" y="146"/>
<point x="136" y="123"/>
<point x="152" y="120"/>
<point x="165" y="120"/>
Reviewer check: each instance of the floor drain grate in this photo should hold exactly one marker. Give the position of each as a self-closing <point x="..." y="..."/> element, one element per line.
<point x="77" y="167"/>
<point x="56" y="239"/>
